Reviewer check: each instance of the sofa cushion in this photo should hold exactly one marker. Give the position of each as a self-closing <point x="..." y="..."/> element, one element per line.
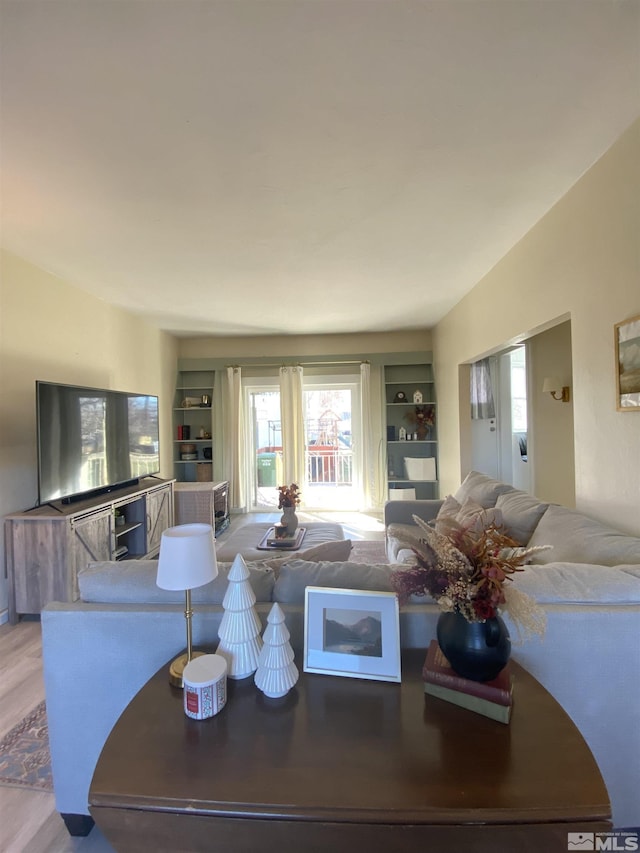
<point x="578" y="583"/>
<point x="398" y="539"/>
<point x="521" y="514"/>
<point x="576" y="538"/>
<point x="296" y="575"/>
<point x="134" y="582"/>
<point x="481" y="489"/>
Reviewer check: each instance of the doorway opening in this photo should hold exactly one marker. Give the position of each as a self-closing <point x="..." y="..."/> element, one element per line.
<point x="500" y="442"/>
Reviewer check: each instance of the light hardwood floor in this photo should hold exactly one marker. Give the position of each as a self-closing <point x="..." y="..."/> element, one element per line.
<point x="29" y="822"/>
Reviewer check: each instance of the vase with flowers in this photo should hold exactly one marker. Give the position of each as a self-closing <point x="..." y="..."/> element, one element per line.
<point x="288" y="500"/>
<point x="423" y="418"/>
<point x="468" y="570"/>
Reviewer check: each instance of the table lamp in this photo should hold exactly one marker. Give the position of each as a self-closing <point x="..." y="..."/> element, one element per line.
<point x="187" y="560"/>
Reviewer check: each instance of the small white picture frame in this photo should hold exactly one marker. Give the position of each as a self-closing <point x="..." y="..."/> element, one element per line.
<point x="352" y="633"/>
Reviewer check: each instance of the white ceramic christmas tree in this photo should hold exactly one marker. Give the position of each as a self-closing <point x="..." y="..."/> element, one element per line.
<point x="240" y="627"/>
<point x="277" y="673"/>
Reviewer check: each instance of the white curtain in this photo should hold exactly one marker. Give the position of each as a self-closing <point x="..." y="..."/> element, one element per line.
<point x="482" y="398"/>
<point x="292" y="417"/>
<point x="233" y="438"/>
<point x="371" y="421"/>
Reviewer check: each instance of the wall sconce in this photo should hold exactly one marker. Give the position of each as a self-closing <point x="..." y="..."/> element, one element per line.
<point x="552" y="385"/>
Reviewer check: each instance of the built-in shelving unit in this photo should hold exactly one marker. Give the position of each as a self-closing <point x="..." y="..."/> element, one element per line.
<point x="192" y="412"/>
<point x="412" y="463"/>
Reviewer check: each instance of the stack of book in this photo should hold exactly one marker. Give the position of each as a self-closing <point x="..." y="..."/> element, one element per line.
<point x="490" y="698"/>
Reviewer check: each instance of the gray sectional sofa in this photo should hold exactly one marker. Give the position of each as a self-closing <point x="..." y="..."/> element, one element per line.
<point x="99" y="651"/>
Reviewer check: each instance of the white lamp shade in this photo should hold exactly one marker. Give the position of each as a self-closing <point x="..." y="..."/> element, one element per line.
<point x="187" y="557"/>
<point x="551" y="384"/>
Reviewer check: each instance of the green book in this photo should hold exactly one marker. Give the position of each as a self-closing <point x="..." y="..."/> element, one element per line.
<point x="495" y="711"/>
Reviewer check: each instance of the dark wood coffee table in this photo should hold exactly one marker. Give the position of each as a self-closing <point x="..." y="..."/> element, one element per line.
<point x="342" y="764"/>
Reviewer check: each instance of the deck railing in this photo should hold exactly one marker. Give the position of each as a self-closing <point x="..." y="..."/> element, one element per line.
<point x="330" y="465"/>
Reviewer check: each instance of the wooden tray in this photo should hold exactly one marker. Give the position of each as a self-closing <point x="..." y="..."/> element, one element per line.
<point x="288" y="544"/>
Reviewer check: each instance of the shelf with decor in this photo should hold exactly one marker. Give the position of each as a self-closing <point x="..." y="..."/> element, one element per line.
<point x="411" y="424"/>
<point x="193" y="426"/>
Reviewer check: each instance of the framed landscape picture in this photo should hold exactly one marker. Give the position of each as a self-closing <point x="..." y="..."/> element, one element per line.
<point x="352" y="633"/>
<point x="627" y="346"/>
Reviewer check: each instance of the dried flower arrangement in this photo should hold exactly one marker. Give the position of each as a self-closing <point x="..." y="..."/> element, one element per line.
<point x="468" y="571"/>
<point x="288" y="495"/>
<point x="422" y="416"/>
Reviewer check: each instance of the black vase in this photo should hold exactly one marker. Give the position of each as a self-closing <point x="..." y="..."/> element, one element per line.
<point x="475" y="650"/>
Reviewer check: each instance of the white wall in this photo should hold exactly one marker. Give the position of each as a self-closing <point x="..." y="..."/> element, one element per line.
<point x="582" y="262"/>
<point x="50" y="330"/>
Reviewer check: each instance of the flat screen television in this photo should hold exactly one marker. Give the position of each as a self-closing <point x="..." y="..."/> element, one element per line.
<point x="92" y="440"/>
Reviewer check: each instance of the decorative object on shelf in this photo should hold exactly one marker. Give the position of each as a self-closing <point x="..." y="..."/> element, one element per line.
<point x="205" y="401"/>
<point x="400" y="397"/>
<point x="188" y="452"/>
<point x="627" y="349"/>
<point x="240" y="627"/>
<point x="184" y="432"/>
<point x="423" y="417"/>
<point x="417" y="396"/>
<point x="119" y="518"/>
<point x="276" y="673"/>
<point x="402" y="434"/>
<point x="190" y="402"/>
<point x="352" y="633"/>
<point x="391" y="432"/>
<point x="187" y="560"/>
<point x="420" y="468"/>
<point x="288" y="500"/>
<point x="207" y="452"/>
<point x="467" y="570"/>
<point x="205" y="686"/>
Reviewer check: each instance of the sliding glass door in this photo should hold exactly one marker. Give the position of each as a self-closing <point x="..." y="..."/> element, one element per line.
<point x="332" y="460"/>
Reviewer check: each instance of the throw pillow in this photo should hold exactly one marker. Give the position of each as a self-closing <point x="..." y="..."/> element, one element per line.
<point x="449" y="510"/>
<point x="476" y="517"/>
<point x="521" y="513"/>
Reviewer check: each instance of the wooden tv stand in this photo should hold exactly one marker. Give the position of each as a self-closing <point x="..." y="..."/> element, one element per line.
<point x="48" y="545"/>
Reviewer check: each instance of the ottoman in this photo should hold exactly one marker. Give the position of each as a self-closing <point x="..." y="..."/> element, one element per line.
<point x="245" y="541"/>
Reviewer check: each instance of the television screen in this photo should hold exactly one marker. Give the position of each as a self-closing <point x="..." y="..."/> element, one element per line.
<point x="92" y="439"/>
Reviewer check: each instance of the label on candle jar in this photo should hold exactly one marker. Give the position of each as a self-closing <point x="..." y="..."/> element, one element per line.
<point x="205" y="686"/>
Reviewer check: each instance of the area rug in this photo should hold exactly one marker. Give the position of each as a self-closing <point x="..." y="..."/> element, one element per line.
<point x="368" y="551"/>
<point x="25" y="761"/>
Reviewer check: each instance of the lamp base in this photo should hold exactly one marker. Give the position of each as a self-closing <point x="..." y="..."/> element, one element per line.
<point x="177" y="667"/>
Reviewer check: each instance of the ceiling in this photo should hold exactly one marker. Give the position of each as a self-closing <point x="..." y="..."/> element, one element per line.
<point x="258" y="167"/>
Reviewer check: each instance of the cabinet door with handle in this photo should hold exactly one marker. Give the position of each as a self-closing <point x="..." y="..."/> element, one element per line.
<point x="159" y="516"/>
